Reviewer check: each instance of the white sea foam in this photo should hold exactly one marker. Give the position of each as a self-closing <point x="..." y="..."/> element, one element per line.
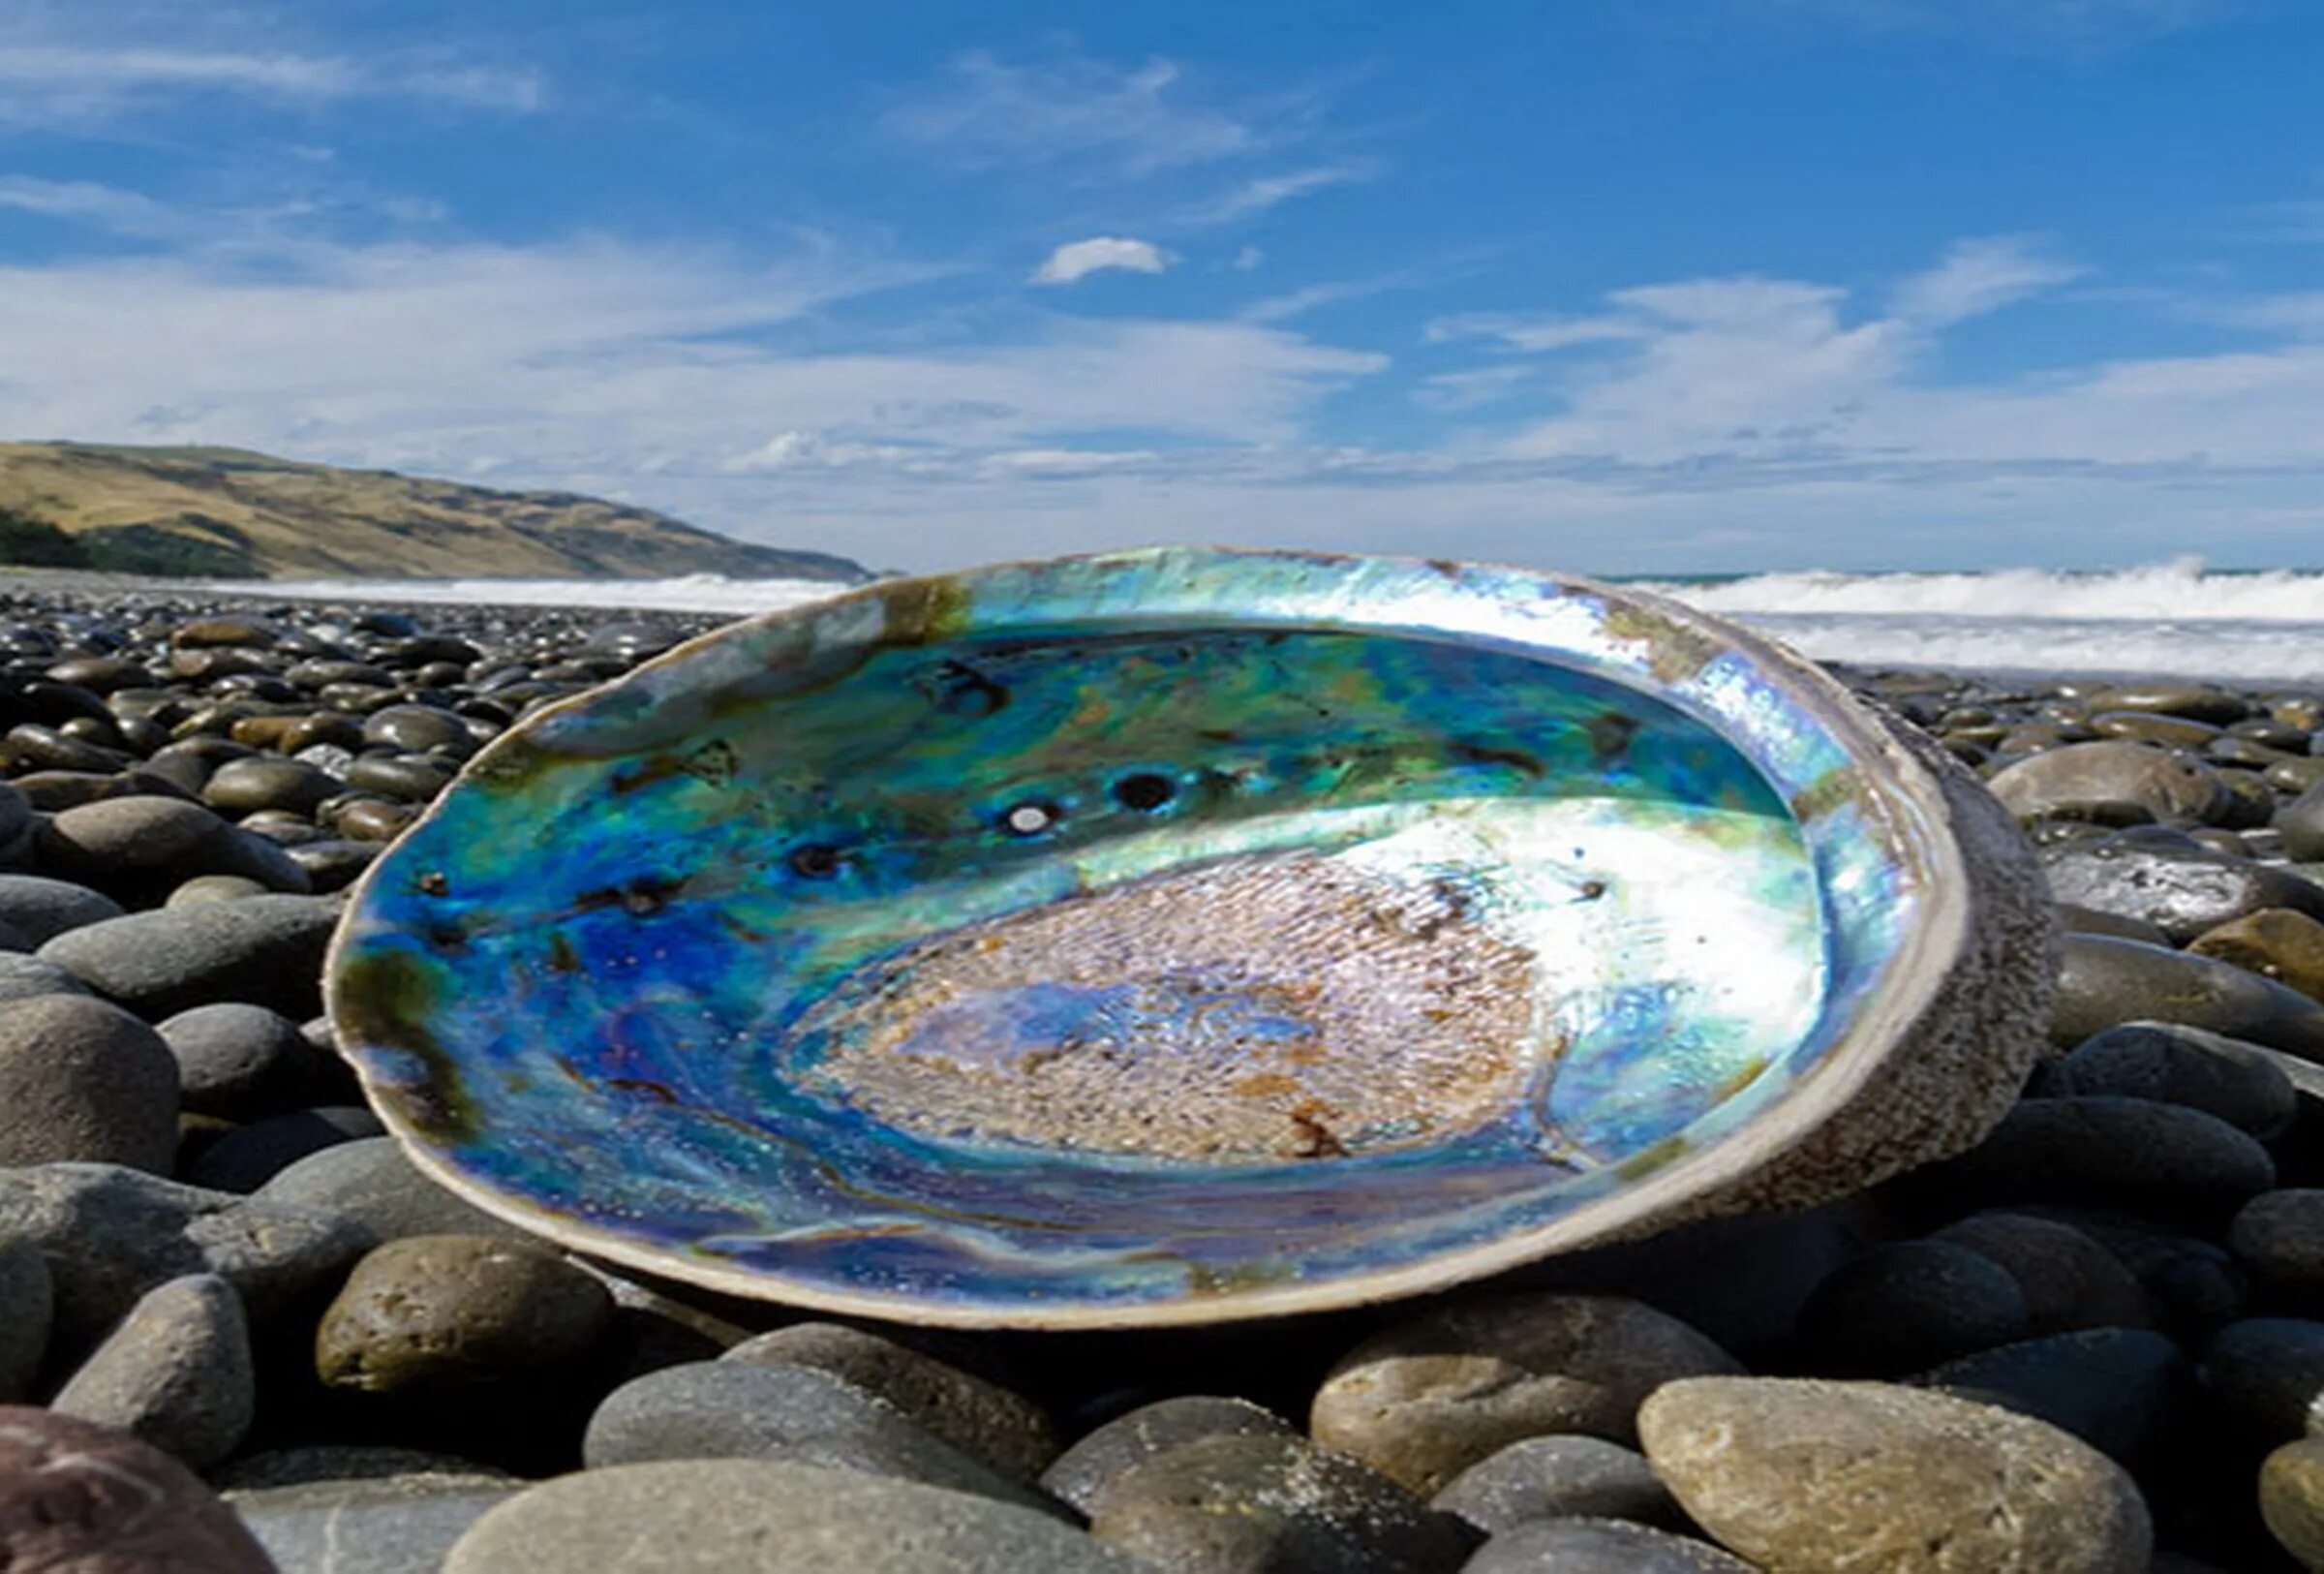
<point x="2173" y="618"/>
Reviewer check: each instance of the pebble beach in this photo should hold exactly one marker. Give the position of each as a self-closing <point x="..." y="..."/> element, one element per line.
<point x="239" y="1331"/>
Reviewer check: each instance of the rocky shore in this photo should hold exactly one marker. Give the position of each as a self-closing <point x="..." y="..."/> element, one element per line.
<point x="239" y="1331"/>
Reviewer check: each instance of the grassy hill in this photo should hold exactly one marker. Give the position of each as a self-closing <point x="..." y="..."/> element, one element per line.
<point x="231" y="512"/>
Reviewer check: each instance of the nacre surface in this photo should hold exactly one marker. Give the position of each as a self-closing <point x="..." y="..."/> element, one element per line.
<point x="1159" y="937"/>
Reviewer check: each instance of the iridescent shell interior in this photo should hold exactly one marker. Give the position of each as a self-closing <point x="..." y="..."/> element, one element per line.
<point x="1153" y="937"/>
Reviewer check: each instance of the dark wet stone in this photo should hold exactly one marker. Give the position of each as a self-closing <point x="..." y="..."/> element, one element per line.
<point x="176" y="1373"/>
<point x="2300" y="823"/>
<point x="264" y="950"/>
<point x="2279" y="1236"/>
<point x="1558" y="1477"/>
<point x="1812" y="1474"/>
<point x="27" y="1302"/>
<point x="2166" y="784"/>
<point x="2181" y="894"/>
<point x="418" y="729"/>
<point x="736" y="1516"/>
<point x="335" y="863"/>
<point x="110" y="1234"/>
<point x="407" y="778"/>
<point x="34" y="747"/>
<point x="79" y="1499"/>
<point x="42" y="908"/>
<point x="241" y="786"/>
<point x="83" y="1080"/>
<point x="2267" y="1373"/>
<point x="249" y="1157"/>
<point x="2080" y="920"/>
<point x="982" y="1418"/>
<point x="2173" y="1063"/>
<point x="1231" y="1504"/>
<point x="1590" y="1546"/>
<point x="2275" y="942"/>
<point x="1426" y="1398"/>
<point x="2068" y="1280"/>
<point x="453" y="1310"/>
<point x="2124" y="1390"/>
<point x="2131" y="1152"/>
<point x="2104" y="983"/>
<point x="732" y="1409"/>
<point x="1907" y="1305"/>
<point x="2196" y="701"/>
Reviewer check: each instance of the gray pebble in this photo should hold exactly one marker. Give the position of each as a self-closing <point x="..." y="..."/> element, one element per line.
<point x="1002" y="1427"/>
<point x="244" y="1063"/>
<point x="728" y="1409"/>
<point x="1428" y="1398"/>
<point x="27" y="978"/>
<point x="2104" y="983"/>
<point x="731" y="1516"/>
<point x="370" y="1182"/>
<point x="212" y="889"/>
<point x="44" y="909"/>
<point x="381" y="1524"/>
<point x="1253" y="1503"/>
<point x="110" y="1234"/>
<point x="83" y="1080"/>
<point x="2167" y="783"/>
<point x="176" y="1373"/>
<point x="1558" y="1477"/>
<point x="1085" y="1472"/>
<point x="2279" y="1236"/>
<point x="27" y="1301"/>
<point x="299" y="1467"/>
<point x="135" y="848"/>
<point x="1588" y="1546"/>
<point x="247" y="1158"/>
<point x="265" y="951"/>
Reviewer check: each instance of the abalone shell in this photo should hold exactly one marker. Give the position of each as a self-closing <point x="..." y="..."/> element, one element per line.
<point x="1183" y="935"/>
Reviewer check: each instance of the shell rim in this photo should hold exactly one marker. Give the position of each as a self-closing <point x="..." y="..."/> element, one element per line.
<point x="1913" y="820"/>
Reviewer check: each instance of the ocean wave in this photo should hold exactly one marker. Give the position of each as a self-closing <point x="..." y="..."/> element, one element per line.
<point x="2179" y="591"/>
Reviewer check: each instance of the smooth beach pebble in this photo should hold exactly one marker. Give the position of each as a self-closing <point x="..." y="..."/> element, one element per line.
<point x="27" y="1302"/>
<point x="2167" y="785"/>
<point x="136" y="848"/>
<point x="241" y="786"/>
<point x="264" y="950"/>
<point x="2184" y="894"/>
<point x="1558" y="1477"/>
<point x="247" y="1158"/>
<point x="1911" y="1304"/>
<point x="2124" y="1390"/>
<point x="42" y="908"/>
<point x="83" y="1080"/>
<point x="2275" y="942"/>
<point x="1085" y="1472"/>
<point x="1231" y="1504"/>
<point x="1599" y="1546"/>
<point x="2102" y="1148"/>
<point x="1804" y="1473"/>
<point x="369" y="1183"/>
<point x="436" y="1311"/>
<point x="176" y="1373"/>
<point x="81" y="1498"/>
<point x="2266" y="1373"/>
<point x="2174" y="1064"/>
<point x="379" y="1525"/>
<point x="982" y="1418"/>
<point x="28" y="977"/>
<point x="732" y="1409"/>
<point x="110" y="1234"/>
<point x="2279" y="1236"/>
<point x="709" y="1516"/>
<point x="1426" y="1398"/>
<point x="2291" y="1499"/>
<point x="2103" y="982"/>
<point x="2067" y="1279"/>
<point x="244" y="1061"/>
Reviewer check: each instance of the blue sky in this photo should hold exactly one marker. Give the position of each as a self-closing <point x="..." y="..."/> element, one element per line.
<point x="1609" y="285"/>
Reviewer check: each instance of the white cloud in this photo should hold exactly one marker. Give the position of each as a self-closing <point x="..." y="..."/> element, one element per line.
<point x="1979" y="276"/>
<point x="1248" y="258"/>
<point x="1078" y="260"/>
<point x="987" y="111"/>
<point x="2072" y="24"/>
<point x="124" y="212"/>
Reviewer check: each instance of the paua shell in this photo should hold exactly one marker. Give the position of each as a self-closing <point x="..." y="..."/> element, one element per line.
<point x="1183" y="935"/>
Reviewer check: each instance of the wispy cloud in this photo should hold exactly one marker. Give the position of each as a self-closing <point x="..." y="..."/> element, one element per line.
<point x="82" y="81"/>
<point x="1069" y="109"/>
<point x="1981" y="276"/>
<point x="2073" y="24"/>
<point x="1078" y="260"/>
<point x="107" y="207"/>
<point x="1256" y="195"/>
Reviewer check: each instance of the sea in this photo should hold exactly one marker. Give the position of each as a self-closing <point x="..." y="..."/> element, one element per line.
<point x="2177" y="619"/>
